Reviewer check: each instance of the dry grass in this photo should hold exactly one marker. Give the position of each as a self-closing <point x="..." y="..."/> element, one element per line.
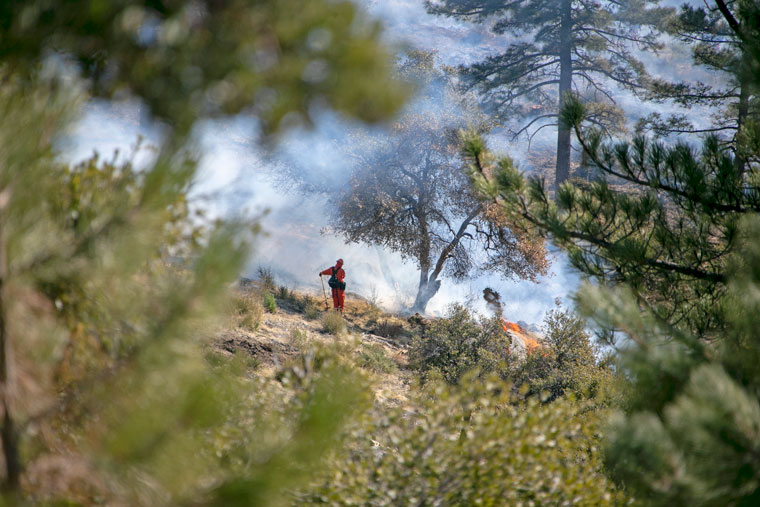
<point x="333" y="323"/>
<point x="389" y="329"/>
<point x="286" y="294"/>
<point x="248" y="310"/>
<point x="309" y="306"/>
<point x="297" y="338"/>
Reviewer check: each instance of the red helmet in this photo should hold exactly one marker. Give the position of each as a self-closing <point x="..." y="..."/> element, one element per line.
<point x="339" y="263"/>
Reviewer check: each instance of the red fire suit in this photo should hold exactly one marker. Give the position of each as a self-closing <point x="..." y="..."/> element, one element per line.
<point x="337" y="294"/>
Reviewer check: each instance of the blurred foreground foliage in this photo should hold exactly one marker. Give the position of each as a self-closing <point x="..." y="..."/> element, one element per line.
<point x="278" y="433"/>
<point x="109" y="292"/>
<point x="687" y="432"/>
<point x="279" y="60"/>
<point x="469" y="444"/>
<point x="110" y="283"/>
<point x="100" y="333"/>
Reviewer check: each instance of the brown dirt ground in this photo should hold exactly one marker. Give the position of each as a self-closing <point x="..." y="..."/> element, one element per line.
<point x="272" y="343"/>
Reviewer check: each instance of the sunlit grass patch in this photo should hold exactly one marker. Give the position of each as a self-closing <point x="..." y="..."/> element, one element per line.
<point x="333" y="323"/>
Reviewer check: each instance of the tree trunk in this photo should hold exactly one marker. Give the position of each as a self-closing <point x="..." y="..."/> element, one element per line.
<point x="565" y="87"/>
<point x="425" y="293"/>
<point x="744" y="79"/>
<point x="425" y="283"/>
<point x="429" y="282"/>
<point x="8" y="435"/>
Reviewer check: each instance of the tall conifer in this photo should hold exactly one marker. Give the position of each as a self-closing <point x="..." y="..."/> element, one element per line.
<point x="556" y="47"/>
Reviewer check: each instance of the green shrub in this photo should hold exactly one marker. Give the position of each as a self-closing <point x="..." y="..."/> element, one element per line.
<point x="457" y="344"/>
<point x="269" y="303"/>
<point x="333" y="323"/>
<point x="374" y="358"/>
<point x="469" y="445"/>
<point x="566" y="364"/>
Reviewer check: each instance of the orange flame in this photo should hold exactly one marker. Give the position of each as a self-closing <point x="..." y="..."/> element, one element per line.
<point x="510" y="326"/>
<point x="531" y="345"/>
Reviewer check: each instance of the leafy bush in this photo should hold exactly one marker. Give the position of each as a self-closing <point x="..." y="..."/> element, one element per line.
<point x="269" y="303"/>
<point x="333" y="323"/>
<point x="373" y="357"/>
<point x="468" y="445"/>
<point x="454" y="345"/>
<point x="566" y="363"/>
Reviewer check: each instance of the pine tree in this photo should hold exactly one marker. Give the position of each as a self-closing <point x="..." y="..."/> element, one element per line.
<point x="688" y="434"/>
<point x="717" y="46"/>
<point x="662" y="219"/>
<point x="687" y="431"/>
<point x="575" y="46"/>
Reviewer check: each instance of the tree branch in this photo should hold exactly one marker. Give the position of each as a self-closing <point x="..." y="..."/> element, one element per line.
<point x="659" y="185"/>
<point x="730" y="19"/>
<point x="450" y="247"/>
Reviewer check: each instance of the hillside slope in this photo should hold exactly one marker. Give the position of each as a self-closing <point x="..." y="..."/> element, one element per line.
<point x="376" y="341"/>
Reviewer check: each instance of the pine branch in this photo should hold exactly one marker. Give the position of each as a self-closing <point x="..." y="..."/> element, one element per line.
<point x="659" y="184"/>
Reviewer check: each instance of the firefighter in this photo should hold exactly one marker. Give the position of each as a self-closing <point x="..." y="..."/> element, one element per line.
<point x="336" y="283"/>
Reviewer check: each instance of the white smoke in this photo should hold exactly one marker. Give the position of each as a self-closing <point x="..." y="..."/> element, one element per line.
<point x="233" y="182"/>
